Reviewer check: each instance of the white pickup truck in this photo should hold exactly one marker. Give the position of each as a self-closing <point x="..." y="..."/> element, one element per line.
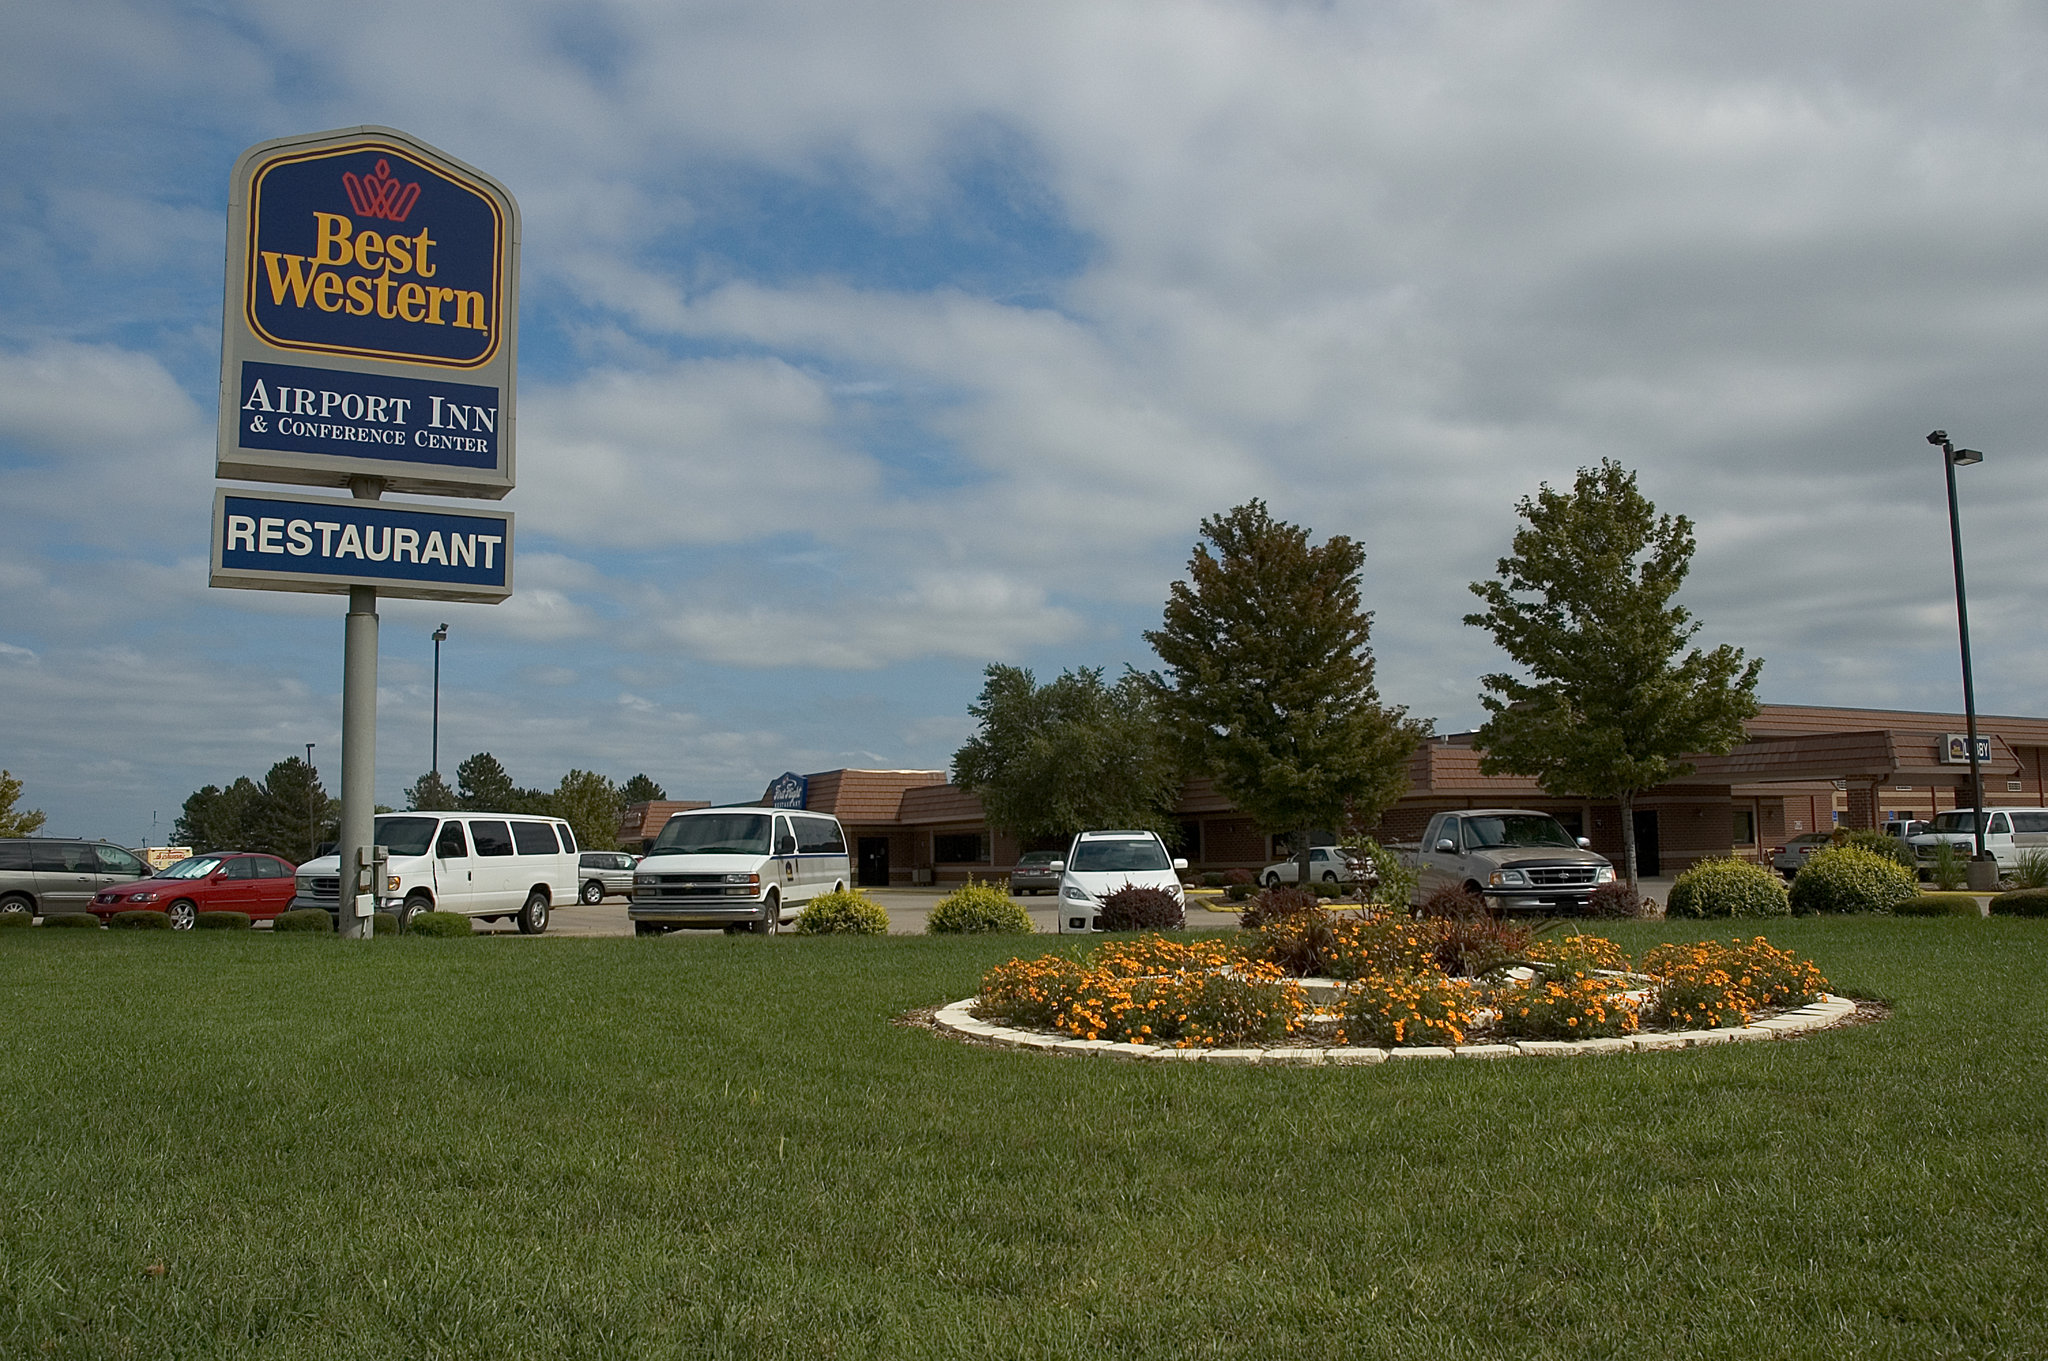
<point x="1516" y="859"/>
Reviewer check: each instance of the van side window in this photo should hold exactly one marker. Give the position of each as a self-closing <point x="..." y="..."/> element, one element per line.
<point x="2030" y="822"/>
<point x="114" y="860"/>
<point x="63" y="857"/>
<point x="535" y="838"/>
<point x="491" y="838"/>
<point x="1999" y="826"/>
<point x="784" y="841"/>
<point x="819" y="836"/>
<point x="568" y="835"/>
<point x="13" y="855"/>
<point x="451" y="846"/>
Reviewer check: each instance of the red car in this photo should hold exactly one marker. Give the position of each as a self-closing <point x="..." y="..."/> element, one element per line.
<point x="219" y="881"/>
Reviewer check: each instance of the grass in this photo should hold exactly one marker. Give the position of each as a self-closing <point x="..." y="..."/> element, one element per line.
<point x="230" y="1145"/>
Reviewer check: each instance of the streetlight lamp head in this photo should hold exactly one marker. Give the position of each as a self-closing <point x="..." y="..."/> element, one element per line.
<point x="1938" y="437"/>
<point x="441" y="634"/>
<point x="1963" y="458"/>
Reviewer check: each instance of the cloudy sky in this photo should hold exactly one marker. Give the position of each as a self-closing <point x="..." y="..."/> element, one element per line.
<point x="866" y="343"/>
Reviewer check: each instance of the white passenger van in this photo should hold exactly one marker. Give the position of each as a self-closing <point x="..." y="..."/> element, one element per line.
<point x="2010" y="835"/>
<point x="744" y="869"/>
<point x="485" y="865"/>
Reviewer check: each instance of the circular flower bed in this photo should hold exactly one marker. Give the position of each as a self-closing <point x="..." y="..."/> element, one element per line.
<point x="1306" y="977"/>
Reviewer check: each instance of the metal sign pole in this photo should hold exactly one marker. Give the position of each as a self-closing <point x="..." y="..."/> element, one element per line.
<point x="359" y="751"/>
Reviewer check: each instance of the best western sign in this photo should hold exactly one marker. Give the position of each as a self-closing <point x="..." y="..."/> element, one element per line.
<point x="371" y="319"/>
<point x="279" y="542"/>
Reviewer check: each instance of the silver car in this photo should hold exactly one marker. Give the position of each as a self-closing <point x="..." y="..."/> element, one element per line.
<point x="1793" y="853"/>
<point x="604" y="874"/>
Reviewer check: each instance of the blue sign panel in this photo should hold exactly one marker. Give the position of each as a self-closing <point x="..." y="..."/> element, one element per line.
<point x="368" y="249"/>
<point x="366" y="415"/>
<point x="271" y="541"/>
<point x="788" y="790"/>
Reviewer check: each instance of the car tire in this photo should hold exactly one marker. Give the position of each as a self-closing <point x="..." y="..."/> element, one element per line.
<point x="182" y="913"/>
<point x="1329" y="878"/>
<point x="533" y="918"/>
<point x="592" y="894"/>
<point x="412" y="907"/>
<point x="1272" y="881"/>
<point x="771" y="916"/>
<point x="18" y="902"/>
<point x="649" y="929"/>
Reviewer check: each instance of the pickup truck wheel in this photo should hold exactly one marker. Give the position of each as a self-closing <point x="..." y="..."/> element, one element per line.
<point x="593" y="893"/>
<point x="649" y="929"/>
<point x="533" y="918"/>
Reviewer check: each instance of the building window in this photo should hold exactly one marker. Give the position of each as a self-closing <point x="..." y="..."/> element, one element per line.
<point x="960" y="848"/>
<point x="2013" y="786"/>
<point x="1745" y="827"/>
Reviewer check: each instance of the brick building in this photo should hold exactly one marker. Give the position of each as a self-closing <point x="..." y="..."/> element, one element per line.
<point x="1804" y="769"/>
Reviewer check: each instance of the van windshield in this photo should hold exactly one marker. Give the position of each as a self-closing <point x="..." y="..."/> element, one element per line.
<point x="1964" y="821"/>
<point x="406" y="836"/>
<point x="1138" y="853"/>
<point x="714" y="834"/>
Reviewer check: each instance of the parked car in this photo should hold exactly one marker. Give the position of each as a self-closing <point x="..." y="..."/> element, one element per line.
<point x="1787" y="859"/>
<point x="1097" y="864"/>
<point x="605" y="874"/>
<point x="1905" y="829"/>
<point x="743" y="869"/>
<point x="1517" y="859"/>
<point x="484" y="865"/>
<point x="43" y="875"/>
<point x="222" y="881"/>
<point x="1329" y="864"/>
<point x="1035" y="872"/>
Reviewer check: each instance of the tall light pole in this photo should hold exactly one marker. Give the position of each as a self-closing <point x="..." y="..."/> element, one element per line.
<point x="1951" y="459"/>
<point x="440" y="637"/>
<point x="312" y="819"/>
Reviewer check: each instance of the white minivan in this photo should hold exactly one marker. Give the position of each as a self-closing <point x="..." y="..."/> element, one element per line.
<point x="744" y="869"/>
<point x="1100" y="863"/>
<point x="485" y="865"/>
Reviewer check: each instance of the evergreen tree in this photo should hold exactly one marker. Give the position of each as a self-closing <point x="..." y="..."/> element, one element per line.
<point x="28" y="821"/>
<point x="641" y="789"/>
<point x="482" y="785"/>
<point x="1584" y="605"/>
<point x="1269" y="678"/>
<point x="431" y="794"/>
<point x="590" y="803"/>
<point x="1055" y="759"/>
<point x="293" y="814"/>
<point x="216" y="819"/>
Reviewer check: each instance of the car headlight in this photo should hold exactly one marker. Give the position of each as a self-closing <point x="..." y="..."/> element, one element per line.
<point x="742" y="878"/>
<point x="645" y="880"/>
<point x="1075" y="894"/>
<point x="1501" y="877"/>
<point x="1604" y="875"/>
<point x="139" y="898"/>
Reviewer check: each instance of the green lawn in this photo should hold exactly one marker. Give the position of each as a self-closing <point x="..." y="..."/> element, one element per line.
<point x="723" y="1147"/>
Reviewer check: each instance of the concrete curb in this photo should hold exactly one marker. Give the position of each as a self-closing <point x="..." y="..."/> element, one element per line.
<point x="957" y="1019"/>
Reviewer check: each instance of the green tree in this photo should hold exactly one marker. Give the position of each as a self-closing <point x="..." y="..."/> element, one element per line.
<point x="25" y="823"/>
<point x="216" y="819"/>
<point x="1269" y="678"/>
<point x="1583" y="604"/>
<point x="293" y="815"/>
<point x="431" y="794"/>
<point x="1055" y="759"/>
<point x="483" y="785"/>
<point x="590" y="804"/>
<point x="641" y="789"/>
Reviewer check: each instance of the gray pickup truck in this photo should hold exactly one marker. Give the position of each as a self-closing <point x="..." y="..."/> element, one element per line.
<point x="1518" y="860"/>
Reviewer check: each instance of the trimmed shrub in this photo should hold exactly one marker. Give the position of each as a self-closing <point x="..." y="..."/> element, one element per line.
<point x="221" y="921"/>
<point x="1850" y="879"/>
<point x="1237" y="893"/>
<point x="2021" y="902"/>
<point x="384" y="923"/>
<point x="1274" y="903"/>
<point x="1299" y="945"/>
<point x="1136" y="907"/>
<point x="1880" y="843"/>
<point x="1326" y="890"/>
<point x="1212" y="879"/>
<point x="975" y="909"/>
<point x="8" y="919"/>
<point x="139" y="919"/>
<point x="83" y="921"/>
<point x="1727" y="888"/>
<point x="1472" y="947"/>
<point x="439" y="924"/>
<point x="1937" y="905"/>
<point x="314" y="919"/>
<point x="847" y="912"/>
<point x="1617" y="901"/>
<point x="1231" y="877"/>
<point x="1453" y="900"/>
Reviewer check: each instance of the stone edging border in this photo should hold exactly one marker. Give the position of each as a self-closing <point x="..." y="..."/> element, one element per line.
<point x="957" y="1019"/>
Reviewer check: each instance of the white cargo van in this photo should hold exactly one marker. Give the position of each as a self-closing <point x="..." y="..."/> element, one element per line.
<point x="485" y="865"/>
<point x="744" y="869"/>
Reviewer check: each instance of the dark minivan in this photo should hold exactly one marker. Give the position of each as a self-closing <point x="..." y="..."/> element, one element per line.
<point x="46" y="875"/>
